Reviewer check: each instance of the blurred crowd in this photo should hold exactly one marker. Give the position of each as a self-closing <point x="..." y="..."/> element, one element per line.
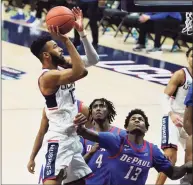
<point x="93" y="10"/>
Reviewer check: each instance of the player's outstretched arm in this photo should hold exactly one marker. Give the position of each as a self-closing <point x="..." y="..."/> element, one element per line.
<point x="86" y="133"/>
<point x="162" y="164"/>
<point x="107" y="140"/>
<point x="55" y="78"/>
<point x="38" y="142"/>
<point x="177" y="172"/>
<point x="91" y="57"/>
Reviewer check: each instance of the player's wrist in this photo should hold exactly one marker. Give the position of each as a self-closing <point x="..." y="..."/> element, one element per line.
<point x="91" y="153"/>
<point x="32" y="158"/>
<point x="65" y="40"/>
<point x="82" y="33"/>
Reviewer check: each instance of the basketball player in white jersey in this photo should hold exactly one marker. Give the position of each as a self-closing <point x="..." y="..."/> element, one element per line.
<point x="173" y="107"/>
<point x="61" y="146"/>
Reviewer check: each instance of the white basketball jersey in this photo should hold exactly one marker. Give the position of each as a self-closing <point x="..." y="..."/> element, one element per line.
<point x="180" y="95"/>
<point x="61" y="108"/>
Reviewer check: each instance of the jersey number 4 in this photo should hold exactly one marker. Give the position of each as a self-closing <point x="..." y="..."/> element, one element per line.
<point x="136" y="174"/>
<point x="99" y="161"/>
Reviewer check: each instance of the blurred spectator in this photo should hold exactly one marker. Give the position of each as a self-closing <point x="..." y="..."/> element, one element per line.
<point x="20" y="14"/>
<point x="156" y="22"/>
<point x="89" y="8"/>
<point x="36" y="10"/>
<point x="36" y="16"/>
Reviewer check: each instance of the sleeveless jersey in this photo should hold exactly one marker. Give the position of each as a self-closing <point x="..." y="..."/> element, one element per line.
<point x="130" y="163"/>
<point x="134" y="164"/>
<point x="99" y="161"/>
<point x="61" y="107"/>
<point x="180" y="94"/>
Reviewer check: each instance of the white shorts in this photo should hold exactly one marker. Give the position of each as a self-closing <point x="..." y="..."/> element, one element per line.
<point x="172" y="135"/>
<point x="63" y="152"/>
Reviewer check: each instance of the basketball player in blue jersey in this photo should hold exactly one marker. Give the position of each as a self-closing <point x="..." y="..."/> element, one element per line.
<point x="188" y="122"/>
<point x="61" y="145"/>
<point x="132" y="156"/>
<point x="102" y="112"/>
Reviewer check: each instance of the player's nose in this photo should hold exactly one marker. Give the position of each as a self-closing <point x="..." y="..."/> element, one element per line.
<point x="61" y="50"/>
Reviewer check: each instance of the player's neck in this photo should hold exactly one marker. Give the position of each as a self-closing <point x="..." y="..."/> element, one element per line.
<point x="102" y="127"/>
<point x="50" y="66"/>
<point x="137" y="139"/>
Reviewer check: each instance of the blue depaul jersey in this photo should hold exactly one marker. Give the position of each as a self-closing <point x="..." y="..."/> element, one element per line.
<point x="131" y="162"/>
<point x="99" y="161"/>
<point x="189" y="98"/>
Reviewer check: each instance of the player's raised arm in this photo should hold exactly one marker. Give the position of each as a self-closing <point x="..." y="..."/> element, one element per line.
<point x="106" y="140"/>
<point x="80" y="121"/>
<point x="162" y="164"/>
<point x="69" y="75"/>
<point x="91" y="57"/>
<point x="38" y="142"/>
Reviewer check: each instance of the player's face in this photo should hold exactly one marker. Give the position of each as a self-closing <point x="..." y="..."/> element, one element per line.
<point x="190" y="59"/>
<point x="137" y="123"/>
<point x="56" y="54"/>
<point x="99" y="111"/>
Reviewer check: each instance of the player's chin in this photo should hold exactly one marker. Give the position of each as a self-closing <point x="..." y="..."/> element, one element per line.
<point x="137" y="131"/>
<point x="99" y="119"/>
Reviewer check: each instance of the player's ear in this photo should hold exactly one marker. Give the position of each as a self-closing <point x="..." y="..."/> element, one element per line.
<point x="46" y="55"/>
<point x="145" y="130"/>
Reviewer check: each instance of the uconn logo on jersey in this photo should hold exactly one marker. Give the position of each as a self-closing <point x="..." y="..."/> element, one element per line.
<point x="135" y="160"/>
<point x="68" y="86"/>
<point x="71" y="88"/>
<point x="187" y="85"/>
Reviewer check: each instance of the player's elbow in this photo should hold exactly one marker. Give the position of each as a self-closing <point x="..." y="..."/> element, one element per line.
<point x="78" y="75"/>
<point x="96" y="59"/>
<point x="175" y="172"/>
<point x="85" y="73"/>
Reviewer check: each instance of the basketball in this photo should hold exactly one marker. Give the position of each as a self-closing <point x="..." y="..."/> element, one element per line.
<point x="62" y="17"/>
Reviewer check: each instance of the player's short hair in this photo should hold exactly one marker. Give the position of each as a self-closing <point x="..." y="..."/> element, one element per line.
<point x="37" y="46"/>
<point x="188" y="52"/>
<point x="136" y="111"/>
<point x="111" y="109"/>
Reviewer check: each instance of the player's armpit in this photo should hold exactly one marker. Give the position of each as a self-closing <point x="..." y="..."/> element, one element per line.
<point x="54" y="78"/>
<point x="176" y="80"/>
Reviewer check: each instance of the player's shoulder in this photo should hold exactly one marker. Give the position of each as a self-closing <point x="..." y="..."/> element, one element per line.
<point x="118" y="131"/>
<point x="178" y="77"/>
<point x="156" y="151"/>
<point x="48" y="75"/>
<point x="179" y="73"/>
